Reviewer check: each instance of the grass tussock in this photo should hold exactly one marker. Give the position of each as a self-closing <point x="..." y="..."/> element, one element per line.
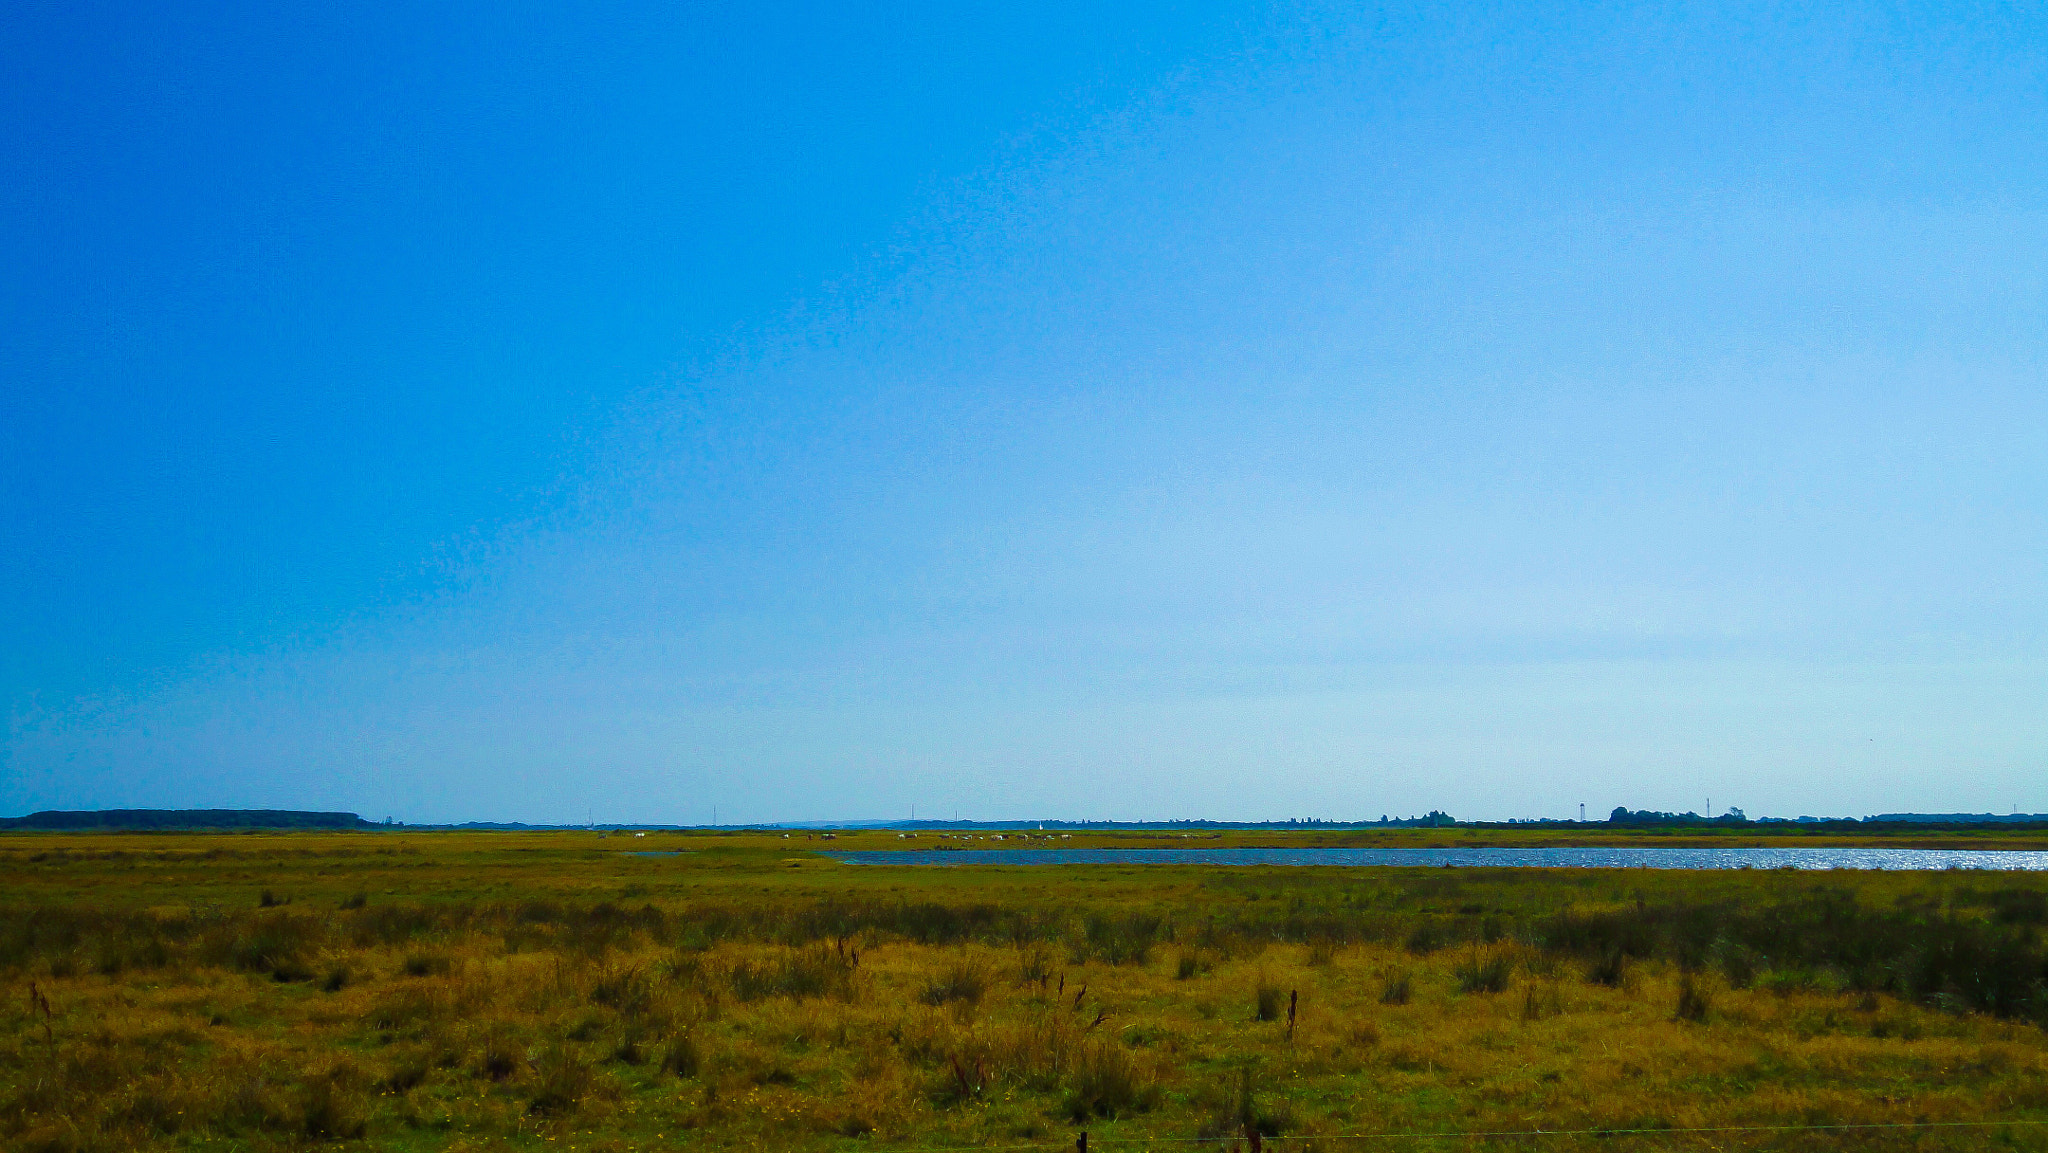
<point x="1234" y="1108"/>
<point x="1484" y="972"/>
<point x="427" y="963"/>
<point x="796" y="973"/>
<point x="1269" y="1000"/>
<point x="1693" y="999"/>
<point x="1609" y="969"/>
<point x="1035" y="965"/>
<point x="1118" y="939"/>
<point x="562" y="1078"/>
<point x="680" y="1057"/>
<point x="332" y="1107"/>
<point x="1397" y="989"/>
<point x="1540" y="1002"/>
<point x="1322" y="950"/>
<point x="1107" y="1082"/>
<point x="961" y="980"/>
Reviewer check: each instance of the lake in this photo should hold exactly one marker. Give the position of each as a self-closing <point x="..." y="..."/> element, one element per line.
<point x="1703" y="857"/>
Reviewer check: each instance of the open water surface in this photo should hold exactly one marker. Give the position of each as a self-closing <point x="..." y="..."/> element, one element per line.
<point x="1704" y="857"/>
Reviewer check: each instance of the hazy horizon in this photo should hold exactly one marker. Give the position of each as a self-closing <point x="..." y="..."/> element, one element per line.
<point x="1233" y="411"/>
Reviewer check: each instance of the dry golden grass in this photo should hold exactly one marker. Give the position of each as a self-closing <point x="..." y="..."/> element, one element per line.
<point x="472" y="991"/>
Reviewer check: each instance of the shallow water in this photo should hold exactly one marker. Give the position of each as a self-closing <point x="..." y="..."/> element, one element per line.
<point x="1533" y="858"/>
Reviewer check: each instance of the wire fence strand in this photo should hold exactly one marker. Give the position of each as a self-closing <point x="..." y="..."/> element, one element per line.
<point x="1479" y="1134"/>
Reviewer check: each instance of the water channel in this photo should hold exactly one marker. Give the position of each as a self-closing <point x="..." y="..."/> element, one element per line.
<point x="1621" y="857"/>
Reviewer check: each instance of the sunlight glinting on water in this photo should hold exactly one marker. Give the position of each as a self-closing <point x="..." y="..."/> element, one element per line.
<point x="1530" y="858"/>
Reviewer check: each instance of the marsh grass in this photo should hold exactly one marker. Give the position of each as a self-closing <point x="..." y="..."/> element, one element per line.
<point x="494" y="990"/>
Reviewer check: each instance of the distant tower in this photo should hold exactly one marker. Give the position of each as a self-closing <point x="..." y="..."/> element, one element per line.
<point x="1582" y="812"/>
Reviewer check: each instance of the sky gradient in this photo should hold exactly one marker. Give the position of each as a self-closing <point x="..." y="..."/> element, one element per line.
<point x="508" y="413"/>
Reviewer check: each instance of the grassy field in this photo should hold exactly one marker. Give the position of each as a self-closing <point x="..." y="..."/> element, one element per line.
<point x="553" y="991"/>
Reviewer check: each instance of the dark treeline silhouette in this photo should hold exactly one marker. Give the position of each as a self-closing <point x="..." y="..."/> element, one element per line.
<point x="1623" y="816"/>
<point x="115" y="820"/>
<point x="126" y="819"/>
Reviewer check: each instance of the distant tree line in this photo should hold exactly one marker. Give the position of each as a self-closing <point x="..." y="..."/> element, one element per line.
<point x="1650" y="818"/>
<point x="122" y="819"/>
<point x="1622" y="816"/>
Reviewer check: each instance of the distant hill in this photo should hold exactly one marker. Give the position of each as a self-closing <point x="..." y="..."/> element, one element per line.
<point x="186" y="819"/>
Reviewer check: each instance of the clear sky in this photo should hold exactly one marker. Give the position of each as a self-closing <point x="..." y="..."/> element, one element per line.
<point x="540" y="412"/>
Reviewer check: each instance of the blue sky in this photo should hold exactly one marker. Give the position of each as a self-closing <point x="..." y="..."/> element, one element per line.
<point x="1225" y="411"/>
